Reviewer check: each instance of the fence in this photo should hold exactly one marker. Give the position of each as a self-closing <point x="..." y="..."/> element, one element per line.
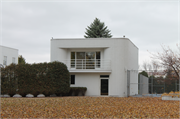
<point x="155" y="82"/>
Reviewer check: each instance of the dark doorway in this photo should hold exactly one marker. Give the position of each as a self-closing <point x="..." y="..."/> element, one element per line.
<point x="104" y="86"/>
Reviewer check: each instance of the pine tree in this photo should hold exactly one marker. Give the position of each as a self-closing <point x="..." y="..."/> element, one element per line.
<point x="21" y="60"/>
<point x="97" y="29"/>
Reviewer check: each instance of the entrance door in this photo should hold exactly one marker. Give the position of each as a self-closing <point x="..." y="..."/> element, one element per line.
<point x="104" y="86"/>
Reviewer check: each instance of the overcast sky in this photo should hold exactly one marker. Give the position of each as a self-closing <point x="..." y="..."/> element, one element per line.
<point x="29" y="26"/>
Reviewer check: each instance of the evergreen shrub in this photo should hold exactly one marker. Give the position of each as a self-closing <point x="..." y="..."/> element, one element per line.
<point x="45" y="78"/>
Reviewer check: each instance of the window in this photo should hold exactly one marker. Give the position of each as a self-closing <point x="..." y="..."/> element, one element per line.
<point x="13" y="60"/>
<point x="72" y="59"/>
<point x="85" y="60"/>
<point x="5" y="60"/>
<point x="90" y="62"/>
<point x="98" y="59"/>
<point x="80" y="60"/>
<point x="72" y="79"/>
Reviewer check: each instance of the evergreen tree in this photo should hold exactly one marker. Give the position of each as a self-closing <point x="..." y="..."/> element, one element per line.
<point x="21" y="60"/>
<point x="144" y="73"/>
<point x="97" y="29"/>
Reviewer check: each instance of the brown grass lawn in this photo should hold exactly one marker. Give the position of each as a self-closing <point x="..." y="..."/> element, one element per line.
<point x="89" y="107"/>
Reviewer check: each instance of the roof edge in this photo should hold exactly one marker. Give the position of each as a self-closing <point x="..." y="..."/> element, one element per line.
<point x="85" y="38"/>
<point x="8" y="47"/>
<point x="122" y="38"/>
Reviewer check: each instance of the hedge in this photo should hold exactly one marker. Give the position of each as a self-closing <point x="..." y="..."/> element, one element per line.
<point x="77" y="90"/>
<point x="9" y="80"/>
<point x="46" y="78"/>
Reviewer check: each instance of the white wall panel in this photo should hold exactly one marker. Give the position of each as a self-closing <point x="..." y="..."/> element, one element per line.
<point x="10" y="53"/>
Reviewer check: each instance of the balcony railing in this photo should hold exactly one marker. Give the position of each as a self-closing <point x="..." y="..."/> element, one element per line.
<point x="85" y="64"/>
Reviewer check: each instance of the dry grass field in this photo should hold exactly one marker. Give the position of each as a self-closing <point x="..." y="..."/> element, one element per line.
<point x="89" y="107"/>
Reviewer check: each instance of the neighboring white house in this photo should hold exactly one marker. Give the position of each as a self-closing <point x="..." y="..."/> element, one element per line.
<point x="8" y="55"/>
<point x="100" y="64"/>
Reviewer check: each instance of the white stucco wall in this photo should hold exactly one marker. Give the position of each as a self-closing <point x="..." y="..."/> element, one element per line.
<point x="121" y="52"/>
<point x="10" y="53"/>
<point x="91" y="81"/>
<point x="132" y="65"/>
<point x="144" y="84"/>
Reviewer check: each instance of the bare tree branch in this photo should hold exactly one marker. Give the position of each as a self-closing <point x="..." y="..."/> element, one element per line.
<point x="169" y="59"/>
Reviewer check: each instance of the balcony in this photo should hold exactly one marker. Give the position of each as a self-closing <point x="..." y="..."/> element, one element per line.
<point x="88" y="65"/>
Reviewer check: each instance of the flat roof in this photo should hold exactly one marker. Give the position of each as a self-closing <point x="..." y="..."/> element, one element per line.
<point x="121" y="38"/>
<point x="87" y="38"/>
<point x="8" y="47"/>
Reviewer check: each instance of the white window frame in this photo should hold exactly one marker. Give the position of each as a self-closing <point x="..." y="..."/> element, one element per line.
<point x="85" y="55"/>
<point x="13" y="60"/>
<point x="5" y="60"/>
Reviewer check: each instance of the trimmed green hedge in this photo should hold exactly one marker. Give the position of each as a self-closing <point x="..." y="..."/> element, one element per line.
<point x="9" y="80"/>
<point x="45" y="78"/>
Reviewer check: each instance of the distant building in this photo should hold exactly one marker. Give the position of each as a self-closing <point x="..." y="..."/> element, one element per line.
<point x="100" y="64"/>
<point x="8" y="55"/>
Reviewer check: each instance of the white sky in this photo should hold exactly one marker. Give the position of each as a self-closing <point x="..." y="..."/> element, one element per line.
<point x="28" y="25"/>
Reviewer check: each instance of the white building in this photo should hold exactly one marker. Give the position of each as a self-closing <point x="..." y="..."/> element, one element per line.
<point x="8" y="55"/>
<point x="100" y="64"/>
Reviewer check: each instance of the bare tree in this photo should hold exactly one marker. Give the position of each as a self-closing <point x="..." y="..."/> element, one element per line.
<point x="155" y="65"/>
<point x="151" y="67"/>
<point x="145" y="65"/>
<point x="169" y="59"/>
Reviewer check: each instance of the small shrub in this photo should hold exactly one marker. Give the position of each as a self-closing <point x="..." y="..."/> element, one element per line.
<point x="77" y="90"/>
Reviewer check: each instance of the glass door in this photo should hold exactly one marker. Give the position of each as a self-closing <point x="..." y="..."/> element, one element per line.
<point x="90" y="60"/>
<point x="104" y="86"/>
<point x="98" y="59"/>
<point x="80" y="61"/>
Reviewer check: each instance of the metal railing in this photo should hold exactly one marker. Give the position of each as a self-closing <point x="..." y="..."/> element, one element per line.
<point x="84" y="64"/>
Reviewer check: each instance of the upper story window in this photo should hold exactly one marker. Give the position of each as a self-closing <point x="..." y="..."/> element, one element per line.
<point x="85" y="60"/>
<point x="98" y="59"/>
<point x="13" y="60"/>
<point x="5" y="60"/>
<point x="72" y="59"/>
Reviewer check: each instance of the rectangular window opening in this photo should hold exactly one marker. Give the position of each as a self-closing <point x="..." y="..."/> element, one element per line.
<point x="5" y="60"/>
<point x="13" y="60"/>
<point x="72" y="59"/>
<point x="80" y="60"/>
<point x="72" y="79"/>
<point x="90" y="60"/>
<point x="98" y="59"/>
<point x="85" y="60"/>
